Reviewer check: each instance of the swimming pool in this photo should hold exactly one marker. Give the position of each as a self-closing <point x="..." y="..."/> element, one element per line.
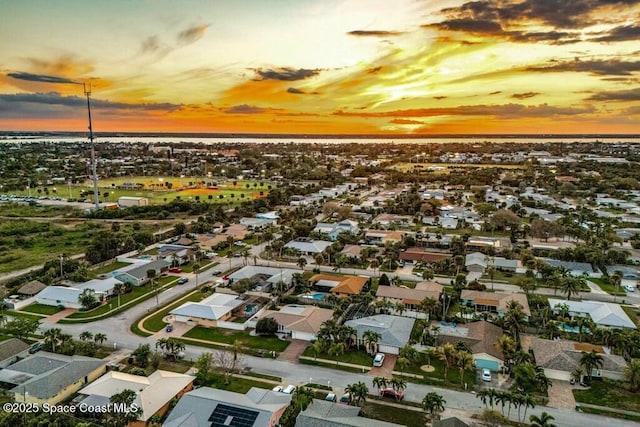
<point x="316" y="296"/>
<point x="574" y="329"/>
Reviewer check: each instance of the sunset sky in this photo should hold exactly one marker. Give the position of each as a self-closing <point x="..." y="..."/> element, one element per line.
<point x="322" y="66"/>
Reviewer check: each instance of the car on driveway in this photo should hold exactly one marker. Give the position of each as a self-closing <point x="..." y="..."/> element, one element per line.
<point x="175" y="270"/>
<point x="36" y="347"/>
<point x="169" y="328"/>
<point x="378" y="360"/>
<point x="182" y="280"/>
<point x="277" y="388"/>
<point x="331" y="397"/>
<point x="486" y="375"/>
<point x="395" y="394"/>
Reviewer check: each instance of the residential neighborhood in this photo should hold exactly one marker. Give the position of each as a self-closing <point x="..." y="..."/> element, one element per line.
<point x="371" y="289"/>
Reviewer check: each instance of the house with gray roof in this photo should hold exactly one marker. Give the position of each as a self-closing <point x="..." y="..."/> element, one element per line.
<point x="12" y="350"/>
<point x="206" y="407"/>
<point x="136" y="274"/>
<point x="215" y="308"/>
<point x="308" y="246"/>
<point x="59" y="296"/>
<point x="603" y="314"/>
<point x="574" y="268"/>
<point x="50" y="378"/>
<point x="264" y="278"/>
<point x="328" y="414"/>
<point x="395" y="331"/>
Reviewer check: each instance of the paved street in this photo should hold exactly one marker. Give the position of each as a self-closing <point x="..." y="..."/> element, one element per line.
<point x="117" y="330"/>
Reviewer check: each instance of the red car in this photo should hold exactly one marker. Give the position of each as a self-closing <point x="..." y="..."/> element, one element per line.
<point x="175" y="270"/>
<point x="395" y="394"/>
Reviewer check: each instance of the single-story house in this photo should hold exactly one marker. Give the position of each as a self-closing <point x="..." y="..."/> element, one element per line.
<point x="104" y="287"/>
<point x="308" y="246"/>
<point x="32" y="288"/>
<point x="321" y="413"/>
<point x="411" y="298"/>
<point x="411" y="255"/>
<point x="334" y="229"/>
<point x="574" y="268"/>
<point x="136" y="274"/>
<point x="387" y="220"/>
<point x="484" y="242"/>
<point x="257" y="223"/>
<point x="59" y="296"/>
<point x="493" y="302"/>
<point x="339" y="285"/>
<point x="481" y="337"/>
<point x="559" y="358"/>
<point x="628" y="272"/>
<point x="301" y="322"/>
<point x="153" y="393"/>
<point x="12" y="350"/>
<point x="214" y="407"/>
<point x="50" y="378"/>
<point x="395" y="331"/>
<point x="603" y="314"/>
<point x="215" y="308"/>
<point x="478" y="262"/>
<point x="264" y="278"/>
<point x="380" y="237"/>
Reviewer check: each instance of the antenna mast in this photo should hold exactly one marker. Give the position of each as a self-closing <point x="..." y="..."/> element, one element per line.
<point x="94" y="170"/>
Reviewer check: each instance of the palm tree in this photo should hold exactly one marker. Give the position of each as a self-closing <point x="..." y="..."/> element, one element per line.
<point x="464" y="362"/>
<point x="336" y="349"/>
<point x="544" y="420"/>
<point x="488" y="395"/>
<point x="196" y="270"/>
<point x="591" y="361"/>
<point x="503" y="397"/>
<point x="528" y="401"/>
<point x="616" y="280"/>
<point x="398" y="384"/>
<point x="357" y="393"/>
<point x="151" y="275"/>
<point x="429" y="353"/>
<point x="86" y="336"/>
<point x="318" y="347"/>
<point x="302" y="261"/>
<point x="632" y="375"/>
<point x="508" y="348"/>
<point x="53" y="337"/>
<point x="370" y="339"/>
<point x="99" y="338"/>
<point x="380" y="383"/>
<point x="542" y="380"/>
<point x="433" y="403"/>
<point x="570" y="285"/>
<point x="446" y="354"/>
<point x="119" y="289"/>
<point x="514" y="319"/>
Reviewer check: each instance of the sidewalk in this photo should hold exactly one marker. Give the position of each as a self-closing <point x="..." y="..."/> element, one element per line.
<point x="607" y="409"/>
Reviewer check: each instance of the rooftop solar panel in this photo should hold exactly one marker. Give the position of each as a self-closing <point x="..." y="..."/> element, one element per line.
<point x="230" y="416"/>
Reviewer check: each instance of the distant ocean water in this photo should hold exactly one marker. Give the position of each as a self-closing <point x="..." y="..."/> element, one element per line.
<point x="210" y="140"/>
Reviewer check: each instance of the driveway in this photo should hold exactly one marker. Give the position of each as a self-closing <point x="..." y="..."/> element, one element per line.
<point x="387" y="367"/>
<point x="561" y="396"/>
<point x="179" y="329"/>
<point x="59" y="315"/>
<point x="293" y="351"/>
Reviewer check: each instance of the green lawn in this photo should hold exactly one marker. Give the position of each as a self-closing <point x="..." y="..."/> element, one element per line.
<point x="42" y="309"/>
<point x="138" y="291"/>
<point x="405" y="417"/>
<point x="109" y="267"/>
<point x="437" y="376"/>
<point x="24" y="315"/>
<point x="632" y="312"/>
<point x="357" y="357"/>
<point x="610" y="289"/>
<point x="229" y="337"/>
<point x="609" y="393"/>
<point x="155" y="322"/>
<point x="331" y="365"/>
<point x="238" y="385"/>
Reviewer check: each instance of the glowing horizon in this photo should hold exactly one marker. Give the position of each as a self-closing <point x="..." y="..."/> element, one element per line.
<point x="323" y="67"/>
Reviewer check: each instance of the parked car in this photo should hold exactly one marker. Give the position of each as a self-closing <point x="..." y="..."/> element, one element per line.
<point x="36" y="347"/>
<point x="217" y="272"/>
<point x="395" y="394"/>
<point x="289" y="389"/>
<point x="182" y="280"/>
<point x="169" y="328"/>
<point x="378" y="360"/>
<point x="331" y="397"/>
<point x="629" y="288"/>
<point x="486" y="375"/>
<point x="175" y="270"/>
<point x="277" y="388"/>
<point x="345" y="399"/>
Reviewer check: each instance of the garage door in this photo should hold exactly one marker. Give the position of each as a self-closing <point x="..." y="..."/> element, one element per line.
<point x="487" y="364"/>
<point x="388" y="349"/>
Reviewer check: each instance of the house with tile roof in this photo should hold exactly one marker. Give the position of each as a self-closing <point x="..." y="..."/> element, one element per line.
<point x="154" y="393"/>
<point x="493" y="302"/>
<point x="341" y="285"/>
<point x="481" y="337"/>
<point x="412" y="255"/>
<point x="328" y="414"/>
<point x="51" y="378"/>
<point x="214" y="407"/>
<point x="298" y="321"/>
<point x="395" y="331"/>
<point x="12" y="350"/>
<point x="411" y="298"/>
<point x="559" y="358"/>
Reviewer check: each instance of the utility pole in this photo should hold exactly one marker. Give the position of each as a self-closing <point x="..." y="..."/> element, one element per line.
<point x="87" y="92"/>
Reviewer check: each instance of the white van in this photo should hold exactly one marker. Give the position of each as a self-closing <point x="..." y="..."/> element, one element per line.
<point x="289" y="389"/>
<point x="629" y="288"/>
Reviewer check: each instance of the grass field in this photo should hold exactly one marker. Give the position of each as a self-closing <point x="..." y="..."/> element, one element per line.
<point x="357" y="357"/>
<point x="610" y="394"/>
<point x="109" y="268"/>
<point x="610" y="289"/>
<point x="42" y="309"/>
<point x="229" y="337"/>
<point x="405" y="417"/>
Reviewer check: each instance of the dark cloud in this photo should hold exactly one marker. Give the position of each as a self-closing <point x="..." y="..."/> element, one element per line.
<point x="619" y="95"/>
<point x="244" y="109"/>
<point x="374" y="33"/>
<point x="54" y="98"/>
<point x="406" y="122"/>
<point x="495" y="92"/>
<point x="41" y="78"/>
<point x="472" y="26"/>
<point x="524" y="95"/>
<point x="440" y="97"/>
<point x="506" y="111"/>
<point x="633" y="110"/>
<point x="492" y="28"/>
<point x="610" y="67"/>
<point x="623" y="33"/>
<point x="193" y="34"/>
<point x="150" y="45"/>
<point x="374" y="70"/>
<point x="295" y="91"/>
<point x="286" y="74"/>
